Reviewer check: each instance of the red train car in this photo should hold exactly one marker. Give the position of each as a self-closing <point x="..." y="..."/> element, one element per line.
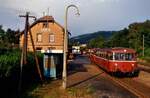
<point x="116" y="60"/>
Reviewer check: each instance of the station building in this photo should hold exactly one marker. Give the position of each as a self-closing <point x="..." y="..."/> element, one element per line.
<point x="48" y="38"/>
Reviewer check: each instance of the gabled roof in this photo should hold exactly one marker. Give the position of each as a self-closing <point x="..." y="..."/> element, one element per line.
<point x="43" y="19"/>
<point x="46" y="18"/>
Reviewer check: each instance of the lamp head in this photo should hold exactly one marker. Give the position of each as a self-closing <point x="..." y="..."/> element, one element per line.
<point x="78" y="14"/>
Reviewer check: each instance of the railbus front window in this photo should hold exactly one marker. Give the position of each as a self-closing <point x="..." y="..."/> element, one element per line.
<point x="110" y="56"/>
<point x="124" y="56"/>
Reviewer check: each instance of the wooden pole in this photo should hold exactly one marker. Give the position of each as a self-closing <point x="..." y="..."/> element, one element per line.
<point x="24" y="54"/>
<point x="35" y="56"/>
<point x="20" y="76"/>
<point x="25" y="37"/>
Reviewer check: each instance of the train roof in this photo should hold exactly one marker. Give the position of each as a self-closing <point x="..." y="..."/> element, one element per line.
<point x="128" y="50"/>
<point x="118" y="50"/>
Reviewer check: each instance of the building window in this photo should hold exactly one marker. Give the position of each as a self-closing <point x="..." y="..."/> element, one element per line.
<point x="45" y="25"/>
<point x="39" y="37"/>
<point x="51" y="48"/>
<point x="38" y="48"/>
<point x="51" y="38"/>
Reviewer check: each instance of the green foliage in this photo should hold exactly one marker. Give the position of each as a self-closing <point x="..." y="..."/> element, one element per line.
<point x="97" y="42"/>
<point x="10" y="72"/>
<point x="85" y="38"/>
<point x="146" y="55"/>
<point x="8" y="38"/>
<point x="147" y="52"/>
<point x="119" y="39"/>
<point x="131" y="37"/>
<point x="2" y="33"/>
<point x="10" y="62"/>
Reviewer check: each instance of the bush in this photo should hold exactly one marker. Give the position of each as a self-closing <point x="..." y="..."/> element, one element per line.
<point x="146" y="56"/>
<point x="9" y="61"/>
<point x="10" y="72"/>
<point x="147" y="52"/>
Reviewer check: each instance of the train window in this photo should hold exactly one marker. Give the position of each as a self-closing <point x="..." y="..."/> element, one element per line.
<point x="106" y="56"/>
<point x="110" y="56"/>
<point x="129" y="56"/>
<point x="124" y="56"/>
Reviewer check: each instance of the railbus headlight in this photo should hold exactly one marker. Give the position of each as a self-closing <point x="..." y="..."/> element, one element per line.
<point x="132" y="65"/>
<point x="116" y="64"/>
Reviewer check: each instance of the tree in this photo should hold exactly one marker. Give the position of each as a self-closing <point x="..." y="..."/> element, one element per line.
<point x="132" y="37"/>
<point x="98" y="42"/>
<point x="2" y="33"/>
<point x="8" y="38"/>
<point x="119" y="39"/>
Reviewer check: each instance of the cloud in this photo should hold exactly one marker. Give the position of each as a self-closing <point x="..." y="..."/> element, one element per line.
<point x="95" y="14"/>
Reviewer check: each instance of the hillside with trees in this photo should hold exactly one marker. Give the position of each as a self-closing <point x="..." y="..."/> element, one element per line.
<point x="131" y="37"/>
<point x="85" y="38"/>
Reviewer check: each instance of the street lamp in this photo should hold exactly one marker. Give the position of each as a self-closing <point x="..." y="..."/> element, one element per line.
<point x="65" y="47"/>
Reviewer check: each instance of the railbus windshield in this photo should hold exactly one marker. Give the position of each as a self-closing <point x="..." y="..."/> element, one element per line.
<point x="124" y="56"/>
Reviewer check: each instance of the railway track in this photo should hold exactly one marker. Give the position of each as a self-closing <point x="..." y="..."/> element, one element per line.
<point x="138" y="89"/>
<point x="144" y="68"/>
<point x="130" y="84"/>
<point x="126" y="83"/>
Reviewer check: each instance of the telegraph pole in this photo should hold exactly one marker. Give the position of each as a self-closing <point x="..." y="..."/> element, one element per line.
<point x="24" y="48"/>
<point x="25" y="38"/>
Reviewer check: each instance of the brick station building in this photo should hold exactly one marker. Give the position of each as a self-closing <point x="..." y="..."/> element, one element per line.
<point x="48" y="39"/>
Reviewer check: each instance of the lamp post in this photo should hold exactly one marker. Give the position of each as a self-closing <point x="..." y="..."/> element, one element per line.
<point x="65" y="47"/>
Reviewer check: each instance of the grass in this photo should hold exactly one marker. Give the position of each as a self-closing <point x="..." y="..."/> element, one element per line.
<point x="84" y="92"/>
<point x="90" y="89"/>
<point x="52" y="90"/>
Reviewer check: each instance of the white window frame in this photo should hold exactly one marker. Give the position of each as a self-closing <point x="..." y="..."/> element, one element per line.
<point x="39" y="39"/>
<point x="51" y="38"/>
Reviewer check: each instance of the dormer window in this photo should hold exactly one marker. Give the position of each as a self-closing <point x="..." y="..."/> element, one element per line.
<point x="45" y="25"/>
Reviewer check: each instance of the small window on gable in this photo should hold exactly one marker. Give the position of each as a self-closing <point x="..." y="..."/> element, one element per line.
<point x="45" y="25"/>
<point x="51" y="38"/>
<point x="39" y="37"/>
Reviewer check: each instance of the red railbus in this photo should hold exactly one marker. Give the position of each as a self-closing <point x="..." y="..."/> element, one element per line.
<point x="116" y="60"/>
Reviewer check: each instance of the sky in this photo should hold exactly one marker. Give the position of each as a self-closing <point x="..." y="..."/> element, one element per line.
<point x="95" y="15"/>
